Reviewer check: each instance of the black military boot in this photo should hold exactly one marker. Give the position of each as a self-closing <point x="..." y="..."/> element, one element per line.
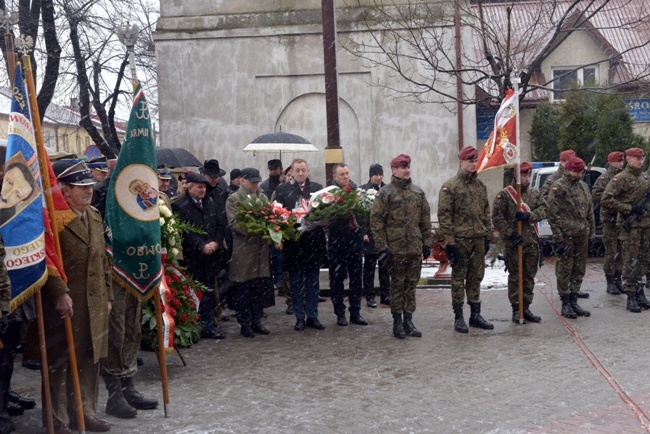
<point x="135" y="398"/>
<point x="459" y="321"/>
<point x="611" y="284"/>
<point x="618" y="281"/>
<point x="116" y="404"/>
<point x="529" y="316"/>
<point x="576" y="308"/>
<point x="475" y="318"/>
<point x="567" y="310"/>
<point x="398" y="327"/>
<point x="632" y="304"/>
<point x="641" y="300"/>
<point x="515" y="313"/>
<point x="409" y="327"/>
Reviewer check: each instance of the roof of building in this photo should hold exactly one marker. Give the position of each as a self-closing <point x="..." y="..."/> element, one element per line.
<point x="621" y="28"/>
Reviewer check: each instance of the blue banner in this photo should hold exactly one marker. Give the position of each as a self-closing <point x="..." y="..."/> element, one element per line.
<point x="21" y="202"/>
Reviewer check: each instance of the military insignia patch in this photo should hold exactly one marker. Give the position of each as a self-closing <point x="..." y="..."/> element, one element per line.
<point x="554" y="188"/>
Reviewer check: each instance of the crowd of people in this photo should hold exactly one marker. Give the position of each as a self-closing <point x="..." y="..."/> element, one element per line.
<point x="244" y="270"/>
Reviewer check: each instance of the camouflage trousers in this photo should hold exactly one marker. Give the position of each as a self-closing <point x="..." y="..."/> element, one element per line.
<point x="570" y="268"/>
<point x="124" y="333"/>
<point x="530" y="258"/>
<point x="404" y="277"/>
<point x="612" y="244"/>
<point x="468" y="272"/>
<point x="634" y="247"/>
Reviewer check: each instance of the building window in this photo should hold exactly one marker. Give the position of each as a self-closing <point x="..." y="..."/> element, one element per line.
<point x="564" y="79"/>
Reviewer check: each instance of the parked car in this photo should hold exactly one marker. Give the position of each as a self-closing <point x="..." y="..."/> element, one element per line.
<point x="541" y="172"/>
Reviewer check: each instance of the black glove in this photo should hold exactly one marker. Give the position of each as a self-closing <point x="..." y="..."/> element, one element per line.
<point x="452" y="253"/>
<point x="426" y="251"/>
<point x="560" y="248"/>
<point x="486" y="243"/>
<point x="4" y="324"/>
<point x="516" y="238"/>
<point x="385" y="256"/>
<point x="637" y="209"/>
<point x="522" y="216"/>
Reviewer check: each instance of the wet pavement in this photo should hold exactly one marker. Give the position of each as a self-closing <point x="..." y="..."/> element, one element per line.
<point x="539" y="378"/>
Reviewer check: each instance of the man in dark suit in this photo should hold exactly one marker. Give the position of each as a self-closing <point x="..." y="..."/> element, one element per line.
<point x="200" y="251"/>
<point x="303" y="258"/>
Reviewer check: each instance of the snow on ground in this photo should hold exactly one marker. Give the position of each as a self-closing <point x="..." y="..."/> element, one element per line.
<point x="495" y="275"/>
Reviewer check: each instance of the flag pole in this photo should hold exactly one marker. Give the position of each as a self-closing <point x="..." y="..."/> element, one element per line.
<point x="11" y="56"/>
<point x="47" y="192"/>
<point x="128" y="35"/>
<point x="520" y="247"/>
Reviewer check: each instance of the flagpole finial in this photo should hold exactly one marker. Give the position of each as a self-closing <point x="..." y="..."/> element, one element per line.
<point x="8" y="19"/>
<point x="128" y="34"/>
<point x="24" y="44"/>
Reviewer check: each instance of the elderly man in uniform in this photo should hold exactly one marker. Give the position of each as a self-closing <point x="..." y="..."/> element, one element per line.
<point x="86" y="298"/>
<point x="370" y="252"/>
<point x="571" y="216"/>
<point x="249" y="266"/>
<point x="623" y="194"/>
<point x="613" y="263"/>
<point x="401" y="223"/>
<point x="98" y="168"/>
<point x="464" y="216"/>
<point x="504" y="218"/>
<point x="164" y="180"/>
<point x="345" y="254"/>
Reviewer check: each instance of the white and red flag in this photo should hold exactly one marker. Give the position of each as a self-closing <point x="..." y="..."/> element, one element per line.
<point x="501" y="148"/>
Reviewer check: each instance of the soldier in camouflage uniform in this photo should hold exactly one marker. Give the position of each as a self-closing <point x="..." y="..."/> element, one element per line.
<point x="401" y="224"/>
<point x="571" y="216"/>
<point x="613" y="265"/>
<point x="504" y="218"/>
<point x="464" y="217"/>
<point x="6" y="358"/>
<point x="564" y="157"/>
<point x="623" y="194"/>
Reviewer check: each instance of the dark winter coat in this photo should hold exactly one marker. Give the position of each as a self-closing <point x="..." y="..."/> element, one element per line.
<point x="203" y="267"/>
<point x="343" y="233"/>
<point x="369" y="248"/>
<point x="310" y="251"/>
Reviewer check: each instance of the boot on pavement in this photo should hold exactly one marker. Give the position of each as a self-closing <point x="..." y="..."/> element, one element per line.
<point x="135" y="398"/>
<point x="515" y="313"/>
<point x="611" y="284"/>
<point x="618" y="281"/>
<point x="632" y="304"/>
<point x="409" y="327"/>
<point x="641" y="300"/>
<point x="529" y="316"/>
<point x="398" y="327"/>
<point x="576" y="308"/>
<point x="459" y="321"/>
<point x="116" y="404"/>
<point x="567" y="310"/>
<point x="476" y="320"/>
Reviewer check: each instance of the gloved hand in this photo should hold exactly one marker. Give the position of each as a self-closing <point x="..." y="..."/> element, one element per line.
<point x="637" y="209"/>
<point x="4" y="324"/>
<point x="452" y="253"/>
<point x="385" y="256"/>
<point x="522" y="216"/>
<point x="560" y="248"/>
<point x="426" y="251"/>
<point x="486" y="243"/>
<point x="516" y="238"/>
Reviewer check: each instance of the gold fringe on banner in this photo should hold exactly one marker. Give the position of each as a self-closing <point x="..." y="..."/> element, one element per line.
<point x="26" y="294"/>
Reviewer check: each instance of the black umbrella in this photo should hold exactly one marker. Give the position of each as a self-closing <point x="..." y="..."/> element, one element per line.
<point x="280" y="142"/>
<point x="175" y="157"/>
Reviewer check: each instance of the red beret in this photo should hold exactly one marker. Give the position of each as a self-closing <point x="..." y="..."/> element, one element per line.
<point x="467" y="153"/>
<point x="567" y="155"/>
<point x="615" y="157"/>
<point x="402" y="160"/>
<point x="525" y="167"/>
<point x="635" y="152"/>
<point x="575" y="165"/>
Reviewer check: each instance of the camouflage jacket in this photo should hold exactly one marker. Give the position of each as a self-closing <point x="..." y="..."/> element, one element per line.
<point x="546" y="188"/>
<point x="623" y="191"/>
<point x="570" y="209"/>
<point x="401" y="218"/>
<point x="5" y="284"/>
<point x="503" y="214"/>
<point x="463" y="208"/>
<point x="606" y="215"/>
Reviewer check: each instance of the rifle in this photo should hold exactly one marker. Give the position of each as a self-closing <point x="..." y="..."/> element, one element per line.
<point x="645" y="203"/>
